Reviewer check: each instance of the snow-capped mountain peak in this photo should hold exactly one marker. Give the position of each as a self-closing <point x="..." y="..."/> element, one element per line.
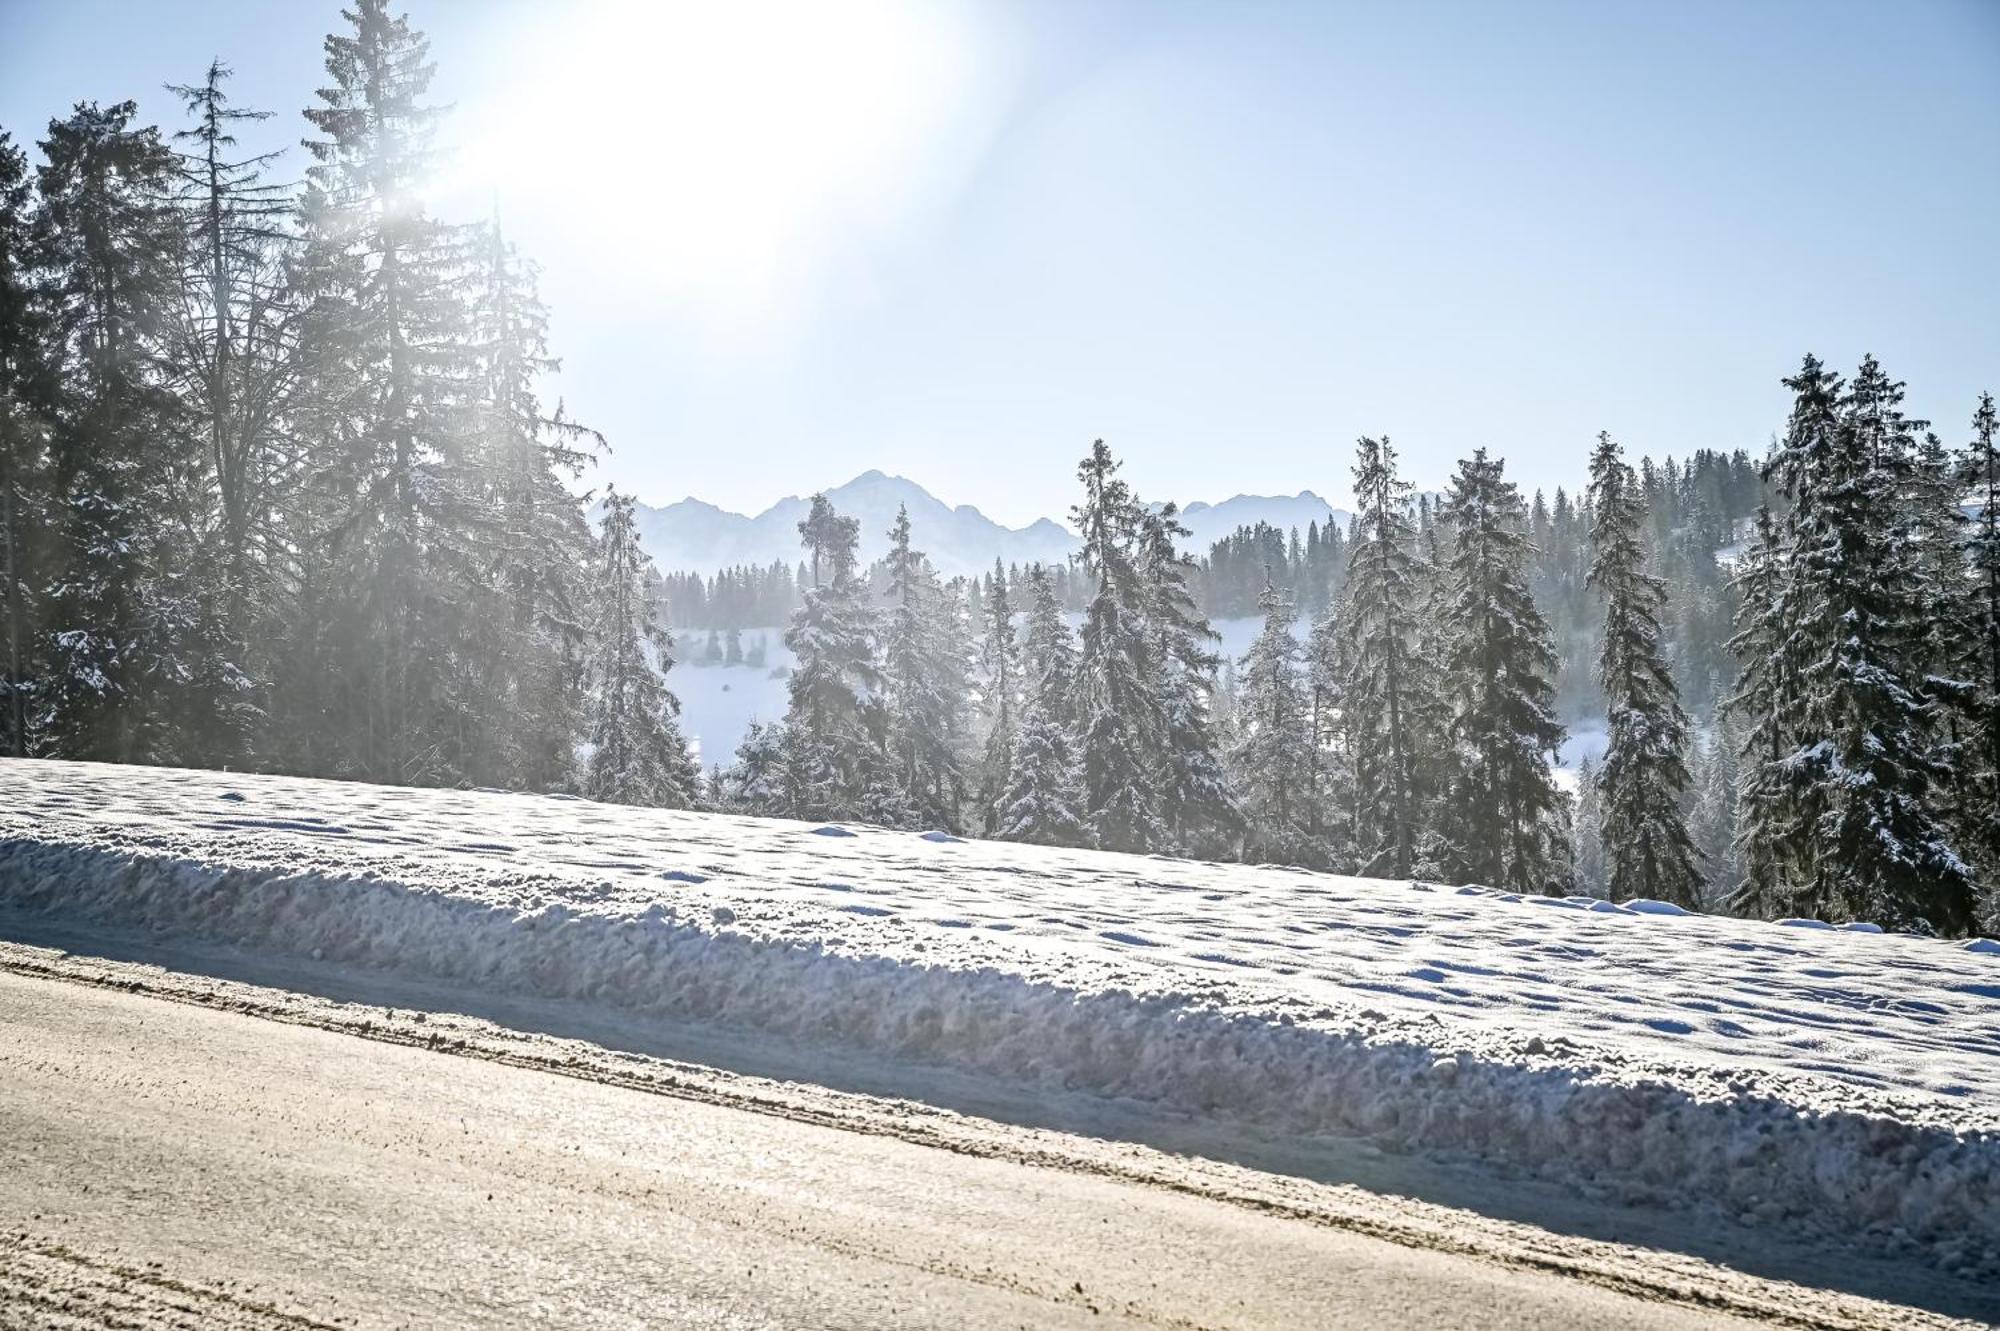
<point x="693" y="535"/>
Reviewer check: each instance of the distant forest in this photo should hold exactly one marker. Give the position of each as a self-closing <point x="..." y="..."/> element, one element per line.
<point x="279" y="491"/>
<point x="1697" y="513"/>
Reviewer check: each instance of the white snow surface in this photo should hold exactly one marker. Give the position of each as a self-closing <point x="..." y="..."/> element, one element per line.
<point x="1835" y="1080"/>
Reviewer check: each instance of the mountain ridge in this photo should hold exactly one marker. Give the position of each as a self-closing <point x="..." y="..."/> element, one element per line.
<point x="694" y="535"/>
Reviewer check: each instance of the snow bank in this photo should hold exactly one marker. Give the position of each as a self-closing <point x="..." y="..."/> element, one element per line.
<point x="1828" y="1080"/>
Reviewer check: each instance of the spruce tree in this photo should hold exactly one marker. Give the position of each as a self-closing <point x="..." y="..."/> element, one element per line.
<point x="1195" y="802"/>
<point x="1867" y="842"/>
<point x="26" y="388"/>
<point x="1504" y="812"/>
<point x="1271" y="762"/>
<point x="529" y="551"/>
<point x="1000" y="692"/>
<point x="1044" y="800"/>
<point x="637" y="755"/>
<point x="1330" y="792"/>
<point x="108" y="244"/>
<point x="831" y="749"/>
<point x="1118" y="696"/>
<point x="237" y="357"/>
<point x="1765" y="709"/>
<point x="390" y="380"/>
<point x="1389" y="703"/>
<point x="926" y="677"/>
<point x="1979" y="475"/>
<point x="1645" y="774"/>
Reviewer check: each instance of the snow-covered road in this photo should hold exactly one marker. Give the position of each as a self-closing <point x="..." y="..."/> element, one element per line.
<point x="278" y="1173"/>
<point x="1836" y="1079"/>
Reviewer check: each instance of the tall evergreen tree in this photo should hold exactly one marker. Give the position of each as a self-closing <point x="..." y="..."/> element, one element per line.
<point x="26" y="515"/>
<point x="1118" y="696"/>
<point x="1390" y="705"/>
<point x="1866" y="841"/>
<point x="108" y="243"/>
<point x="1980" y="475"/>
<point x="391" y="379"/>
<point x="831" y="747"/>
<point x="1195" y="802"/>
<point x="1330" y="792"/>
<point x="530" y="549"/>
<point x="1505" y="812"/>
<point x="638" y="755"/>
<point x="1000" y="691"/>
<point x="926" y="675"/>
<point x="1645" y="775"/>
<point x="1765" y="709"/>
<point x="1272" y="758"/>
<point x="234" y="360"/>
<point x="1044" y="800"/>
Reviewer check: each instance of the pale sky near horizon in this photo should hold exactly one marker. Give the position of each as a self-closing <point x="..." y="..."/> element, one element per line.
<point x="784" y="243"/>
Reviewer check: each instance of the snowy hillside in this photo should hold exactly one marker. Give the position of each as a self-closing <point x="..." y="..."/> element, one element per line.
<point x="694" y="536"/>
<point x="1828" y="1080"/>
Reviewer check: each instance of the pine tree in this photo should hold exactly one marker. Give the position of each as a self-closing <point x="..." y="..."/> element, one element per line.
<point x="1504" y="810"/>
<point x="391" y="385"/>
<point x="926" y="676"/>
<point x="1645" y="773"/>
<point x="1118" y="694"/>
<point x="1388" y="702"/>
<point x="638" y="755"/>
<point x="1044" y="801"/>
<point x="1765" y="704"/>
<point x="1271" y="762"/>
<point x="1195" y="803"/>
<point x="26" y="390"/>
<point x="1868" y="844"/>
<point x="108" y="244"/>
<point x="1330" y="776"/>
<point x="832" y="742"/>
<point x="1000" y="690"/>
<point x="235" y="365"/>
<point x="530" y="549"/>
<point x="1980" y="475"/>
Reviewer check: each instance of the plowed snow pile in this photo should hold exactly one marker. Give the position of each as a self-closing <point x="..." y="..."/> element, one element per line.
<point x="1836" y="1080"/>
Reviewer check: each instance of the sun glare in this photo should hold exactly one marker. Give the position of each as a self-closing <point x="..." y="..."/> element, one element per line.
<point x="721" y="154"/>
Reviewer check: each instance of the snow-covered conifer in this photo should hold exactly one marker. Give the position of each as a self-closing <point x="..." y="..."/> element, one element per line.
<point x="1118" y="696"/>
<point x="1271" y="762"/>
<point x="1644" y="776"/>
<point x="1504" y="811"/>
<point x="637" y="755"/>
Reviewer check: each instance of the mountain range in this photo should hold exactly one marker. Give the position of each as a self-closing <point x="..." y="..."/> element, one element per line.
<point x="695" y="536"/>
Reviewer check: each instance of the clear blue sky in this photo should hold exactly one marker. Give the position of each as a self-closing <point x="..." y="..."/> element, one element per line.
<point x="959" y="241"/>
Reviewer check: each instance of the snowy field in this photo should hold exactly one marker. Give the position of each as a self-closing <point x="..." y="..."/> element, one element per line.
<point x="719" y="703"/>
<point x="1834" y="1080"/>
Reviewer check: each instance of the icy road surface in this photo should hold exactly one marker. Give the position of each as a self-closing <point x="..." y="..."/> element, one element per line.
<point x="286" y="1175"/>
<point x="1826" y="1077"/>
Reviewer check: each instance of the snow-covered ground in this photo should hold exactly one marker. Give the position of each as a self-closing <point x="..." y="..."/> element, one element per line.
<point x="719" y="703"/>
<point x="1828" y="1079"/>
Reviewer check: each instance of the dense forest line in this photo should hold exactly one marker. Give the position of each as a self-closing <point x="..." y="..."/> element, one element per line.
<point x="1409" y="732"/>
<point x="281" y="492"/>
<point x="1696" y="515"/>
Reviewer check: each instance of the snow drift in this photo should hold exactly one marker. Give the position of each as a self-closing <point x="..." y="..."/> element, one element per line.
<point x="1837" y="1081"/>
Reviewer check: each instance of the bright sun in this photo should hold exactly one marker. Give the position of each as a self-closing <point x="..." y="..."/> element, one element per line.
<point x="722" y="153"/>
